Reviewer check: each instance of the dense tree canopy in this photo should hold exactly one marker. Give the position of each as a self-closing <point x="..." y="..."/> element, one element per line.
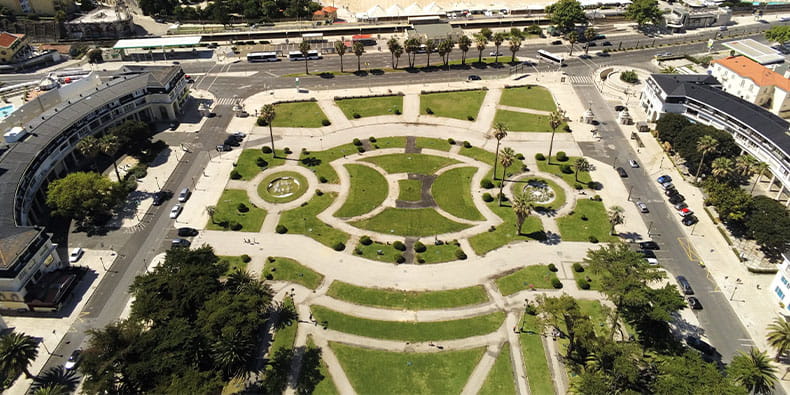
<point x="565" y="14"/>
<point x="780" y="34"/>
<point x="220" y="11"/>
<point x="86" y="197"/>
<point x="644" y="12"/>
<point x="769" y="223"/>
<point x="684" y="137"/>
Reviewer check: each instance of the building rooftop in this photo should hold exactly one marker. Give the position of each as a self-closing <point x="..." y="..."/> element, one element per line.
<point x="101" y="15"/>
<point x="754" y="71"/>
<point x="6" y="39"/>
<point x="13" y="241"/>
<point x="157" y="42"/>
<point x="755" y="51"/>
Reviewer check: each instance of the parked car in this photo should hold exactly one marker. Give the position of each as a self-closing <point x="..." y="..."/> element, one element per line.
<point x="473" y="77"/>
<point x="649" y="245"/>
<point x="685" y="212"/>
<point x="664" y="178"/>
<point x="162" y="196"/>
<point x="231" y="141"/>
<point x="622" y="172"/>
<point x="76" y="254"/>
<point x="239" y="135"/>
<point x="175" y="243"/>
<point x="689" y="220"/>
<point x="676" y="198"/>
<point x="647" y="253"/>
<point x="667" y="185"/>
<point x="685" y="287"/>
<point x="174" y="125"/>
<point x="680" y="206"/>
<point x="175" y="211"/>
<point x="74" y="360"/>
<point x="642" y="207"/>
<point x="652" y="261"/>
<point x="709" y="352"/>
<point x="694" y="303"/>
<point x="495" y="53"/>
<point x="633" y="163"/>
<point x="187" y="232"/>
<point x="184" y="195"/>
<point x="619" y="108"/>
<point x="556" y="42"/>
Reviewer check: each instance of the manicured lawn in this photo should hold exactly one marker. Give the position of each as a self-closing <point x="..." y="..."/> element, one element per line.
<point x="438" y="254"/>
<point x="559" y="193"/>
<point x="323" y="168"/>
<point x="298" y="187"/>
<point x="227" y="212"/>
<point x="370" y="106"/>
<point x="555" y="168"/>
<point x="500" y="379"/>
<point x="407" y="300"/>
<point x="409" y="331"/>
<point x="305" y="114"/>
<point x="410" y="163"/>
<point x="488" y="158"/>
<point x="410" y="190"/>
<point x="533" y="276"/>
<point x="385" y="373"/>
<point x="234" y="262"/>
<point x="534" y="356"/>
<point x="389" y="142"/>
<point x="530" y="96"/>
<point x="388" y="252"/>
<point x="430" y="143"/>
<point x="247" y="164"/>
<point x="505" y="233"/>
<point x="287" y="269"/>
<point x="410" y="222"/>
<point x="368" y="189"/>
<point x="452" y="192"/>
<point x="525" y="122"/>
<point x="574" y="228"/>
<point x="458" y="105"/>
<point x="326" y="386"/>
<point x="595" y="280"/>
<point x="303" y="221"/>
<point x="285" y="337"/>
<point x="472" y="58"/>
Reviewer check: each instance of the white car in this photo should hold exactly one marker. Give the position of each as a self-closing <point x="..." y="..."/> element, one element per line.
<point x="652" y="261"/>
<point x="633" y="163"/>
<point x="75" y="254"/>
<point x="239" y="134"/>
<point x="175" y="211"/>
<point x="495" y="53"/>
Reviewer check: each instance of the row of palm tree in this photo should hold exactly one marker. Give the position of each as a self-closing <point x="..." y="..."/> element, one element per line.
<point x="722" y="168"/>
<point x="108" y="145"/>
<point x="17" y="353"/>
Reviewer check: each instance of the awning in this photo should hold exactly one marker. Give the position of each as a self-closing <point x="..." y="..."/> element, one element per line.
<point x="157" y="42"/>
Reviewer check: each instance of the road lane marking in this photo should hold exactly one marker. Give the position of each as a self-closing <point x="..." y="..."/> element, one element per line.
<point x="688" y="248"/>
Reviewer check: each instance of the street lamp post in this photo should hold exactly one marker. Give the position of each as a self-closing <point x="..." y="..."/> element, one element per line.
<point x="629" y="193"/>
<point x="101" y="260"/>
<point x="157" y="182"/>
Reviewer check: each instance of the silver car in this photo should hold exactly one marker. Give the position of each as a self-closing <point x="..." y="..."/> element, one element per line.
<point x="175" y="211"/>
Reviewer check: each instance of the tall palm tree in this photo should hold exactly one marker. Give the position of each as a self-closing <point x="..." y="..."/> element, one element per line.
<point x="109" y="145"/>
<point x="616" y="216"/>
<point x="56" y="376"/>
<point x="480" y="43"/>
<point x="779" y="336"/>
<point x="430" y="47"/>
<point x="572" y="38"/>
<point x="705" y="145"/>
<point x="392" y="45"/>
<point x="89" y="148"/>
<point x="499" y="38"/>
<point x="515" y="45"/>
<point x="232" y="353"/>
<point x="304" y="48"/>
<point x="522" y="207"/>
<point x="760" y="168"/>
<point x="744" y="165"/>
<point x="53" y="390"/>
<point x="556" y="118"/>
<point x="507" y="158"/>
<point x="500" y="132"/>
<point x="358" y="49"/>
<point x="589" y="35"/>
<point x="411" y="47"/>
<point x="754" y="371"/>
<point x="340" y="50"/>
<point x="445" y="48"/>
<point x="17" y="352"/>
<point x="581" y="164"/>
<point x="464" y="44"/>
<point x="722" y="167"/>
<point x="268" y="114"/>
<point x="211" y="210"/>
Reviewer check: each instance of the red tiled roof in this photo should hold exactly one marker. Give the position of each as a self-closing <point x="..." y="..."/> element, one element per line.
<point x="754" y="71"/>
<point x="6" y="39"/>
<point x="329" y="9"/>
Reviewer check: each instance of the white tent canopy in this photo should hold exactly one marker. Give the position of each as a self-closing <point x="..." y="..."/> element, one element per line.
<point x="413" y="10"/>
<point x="376" y="12"/>
<point x="394" y="10"/>
<point x="432" y="8"/>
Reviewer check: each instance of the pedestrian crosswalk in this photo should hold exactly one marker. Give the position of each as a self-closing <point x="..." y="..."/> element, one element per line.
<point x="226" y="100"/>
<point x="581" y="80"/>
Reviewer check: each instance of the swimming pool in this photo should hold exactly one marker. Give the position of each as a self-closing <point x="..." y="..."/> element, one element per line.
<point x="5" y="111"/>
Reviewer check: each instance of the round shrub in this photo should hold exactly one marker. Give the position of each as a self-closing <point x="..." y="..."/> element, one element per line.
<point x="322" y="179"/>
<point x="325" y="122"/>
<point x="246" y="258"/>
<point x="629" y="76"/>
<point x="397" y="111"/>
<point x="553" y="267"/>
<point x="365" y="240"/>
<point x="470" y="118"/>
<point x="271" y="258"/>
<point x="556" y="283"/>
<point x="281" y="229"/>
<point x="266" y="149"/>
<point x="450" y="141"/>
<point x="566" y="128"/>
<point x="583" y="284"/>
<point x="357" y="251"/>
<point x="467" y="144"/>
<point x="269" y="276"/>
<point x="419" y="247"/>
<point x="520" y="156"/>
<point x="398" y="245"/>
<point x="597" y="198"/>
<point x="593" y="239"/>
<point x="584" y="217"/>
<point x="561" y="156"/>
<point x="261" y="162"/>
<point x="420" y="259"/>
<point x="428" y="110"/>
<point x="400" y="258"/>
<point x="459" y="253"/>
<point x="339" y="246"/>
<point x="287" y="151"/>
<point x="502" y="197"/>
<point x="356" y="115"/>
<point x="261" y="122"/>
<point x="567" y="169"/>
<point x="357" y="142"/>
<point x="488" y="198"/>
<point x="540" y="156"/>
<point x="360" y="149"/>
<point x="486" y="183"/>
<point x="372" y="139"/>
<point x="319" y="192"/>
<point x="578" y="268"/>
<point x="242" y="208"/>
<point x="235" y="225"/>
<point x="235" y="175"/>
<point x="531" y="309"/>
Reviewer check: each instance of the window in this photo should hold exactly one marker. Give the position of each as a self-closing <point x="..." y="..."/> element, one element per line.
<point x="784" y="280"/>
<point x="779" y="293"/>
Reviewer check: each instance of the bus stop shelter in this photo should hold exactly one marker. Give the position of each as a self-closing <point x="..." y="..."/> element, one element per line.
<point x="162" y="43"/>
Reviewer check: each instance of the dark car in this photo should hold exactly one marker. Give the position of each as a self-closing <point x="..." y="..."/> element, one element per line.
<point x="689" y="220"/>
<point x="556" y="42"/>
<point x="647" y="253"/>
<point x="231" y="141"/>
<point x="180" y="243"/>
<point x="473" y="77"/>
<point x="187" y="232"/>
<point x="161" y="197"/>
<point x="619" y="108"/>
<point x="675" y="199"/>
<point x="694" y="303"/>
<point x="174" y="125"/>
<point x="74" y="360"/>
<point x="671" y="192"/>
<point x="622" y="172"/>
<point x="592" y="44"/>
<point x="709" y="353"/>
<point x="685" y="286"/>
<point x="649" y="245"/>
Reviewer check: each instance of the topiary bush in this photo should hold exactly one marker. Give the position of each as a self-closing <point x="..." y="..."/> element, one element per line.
<point x="459" y="253"/>
<point x="486" y="183"/>
<point x="339" y="246"/>
<point x="419" y="247"/>
<point x="246" y="258"/>
<point x="356" y="115"/>
<point x="360" y="149"/>
<point x="372" y="139"/>
<point x="398" y="245"/>
<point x="319" y="192"/>
<point x="400" y="258"/>
<point x="629" y="76"/>
<point x="322" y="179"/>
<point x="397" y="111"/>
<point x="281" y="229"/>
<point x="583" y="284"/>
<point x="325" y="122"/>
<point x="235" y="175"/>
<point x="520" y="156"/>
<point x="578" y="268"/>
<point x="561" y="156"/>
<point x="450" y="141"/>
<point x="356" y="142"/>
<point x="531" y="309"/>
<point x="271" y="258"/>
<point x="467" y="144"/>
<point x="556" y="283"/>
<point x="567" y="169"/>
<point x="287" y="151"/>
<point x="235" y="225"/>
<point x="242" y="208"/>
<point x="470" y="118"/>
<point x="365" y="240"/>
<point x="357" y="251"/>
<point x="552" y="267"/>
<point x="593" y="239"/>
<point x="428" y="111"/>
<point x="488" y="198"/>
<point x="266" y="149"/>
<point x="261" y="162"/>
<point x="261" y="122"/>
<point x="269" y="276"/>
<point x="540" y="156"/>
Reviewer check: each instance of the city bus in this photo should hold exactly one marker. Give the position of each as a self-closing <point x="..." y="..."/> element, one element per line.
<point x="546" y="55"/>
<point x="366" y="39"/>
<point x="297" y="55"/>
<point x="262" y="57"/>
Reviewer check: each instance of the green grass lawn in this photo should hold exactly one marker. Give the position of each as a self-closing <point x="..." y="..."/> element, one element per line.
<point x="525" y="122"/>
<point x="303" y="221"/>
<point x="431" y="143"/>
<point x="326" y="386"/>
<point x="410" y="163"/>
<point x="389" y="142"/>
<point x="472" y="58"/>
<point x="537" y="276"/>
<point x="324" y="169"/>
<point x="505" y="233"/>
<point x="500" y="379"/>
<point x="409" y="331"/>
<point x="595" y="279"/>
<point x="488" y="158"/>
<point x="458" y="105"/>
<point x="556" y="168"/>
<point x="535" y="362"/>
<point x="306" y="114"/>
<point x="437" y="254"/>
<point x="367" y="191"/>
<point x="410" y="190"/>
<point x="370" y="106"/>
<point x="297" y="191"/>
<point x="247" y="164"/>
<point x="226" y="212"/>
<point x="287" y="269"/>
<point x="385" y="373"/>
<point x="388" y="252"/>
<point x="574" y="228"/>
<point x="452" y="192"/>
<point x="407" y="300"/>
<point x="530" y="96"/>
<point x="234" y="262"/>
<point x="559" y="193"/>
<point x="410" y="222"/>
<point x="285" y="337"/>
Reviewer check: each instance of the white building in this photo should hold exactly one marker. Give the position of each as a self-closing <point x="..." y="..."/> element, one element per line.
<point x="780" y="286"/>
<point x="753" y="82"/>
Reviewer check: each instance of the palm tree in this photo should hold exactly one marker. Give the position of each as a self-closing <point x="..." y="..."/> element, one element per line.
<point x="515" y="45"/>
<point x="556" y="118"/>
<point x="507" y="158"/>
<point x="572" y="38"/>
<point x="464" y="44"/>
<point x="669" y="70"/>
<point x="89" y="148"/>
<point x="232" y="353"/>
<point x="760" y="168"/>
<point x="430" y="46"/>
<point x="779" y="336"/>
<point x="705" y="145"/>
<point x="358" y="49"/>
<point x="500" y="132"/>
<point x="56" y="376"/>
<point x="616" y="217"/>
<point x="445" y="47"/>
<point x="109" y="145"/>
<point x="304" y="48"/>
<point x="340" y="50"/>
<point x="589" y="35"/>
<point x="722" y="167"/>
<point x="480" y="42"/>
<point x="744" y="165"/>
<point x="392" y="45"/>
<point x="581" y="164"/>
<point x="499" y="38"/>
<point x="754" y="371"/>
<point x="522" y="207"/>
<point x="211" y="210"/>
<point x="17" y="352"/>
<point x="398" y="52"/>
<point x="268" y="114"/>
<point x="412" y="45"/>
<point x="53" y="390"/>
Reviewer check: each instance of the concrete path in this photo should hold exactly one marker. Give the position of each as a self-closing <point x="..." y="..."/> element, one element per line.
<point x="524" y="110"/>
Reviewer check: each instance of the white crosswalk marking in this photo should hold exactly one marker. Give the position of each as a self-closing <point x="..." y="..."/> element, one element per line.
<point x="225" y="100"/>
<point x="581" y="80"/>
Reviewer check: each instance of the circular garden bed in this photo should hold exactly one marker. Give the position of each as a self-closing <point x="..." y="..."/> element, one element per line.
<point x="282" y="187"/>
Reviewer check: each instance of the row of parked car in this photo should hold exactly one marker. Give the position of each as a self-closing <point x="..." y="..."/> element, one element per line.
<point x="677" y="200"/>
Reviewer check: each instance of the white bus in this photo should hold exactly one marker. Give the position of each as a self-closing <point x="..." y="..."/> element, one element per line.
<point x="262" y="57"/>
<point x="546" y="55"/>
<point x="297" y="55"/>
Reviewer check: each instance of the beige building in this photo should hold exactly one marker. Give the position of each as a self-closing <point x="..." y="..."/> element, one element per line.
<point x="38" y="7"/>
<point x="13" y="47"/>
<point x="753" y="82"/>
